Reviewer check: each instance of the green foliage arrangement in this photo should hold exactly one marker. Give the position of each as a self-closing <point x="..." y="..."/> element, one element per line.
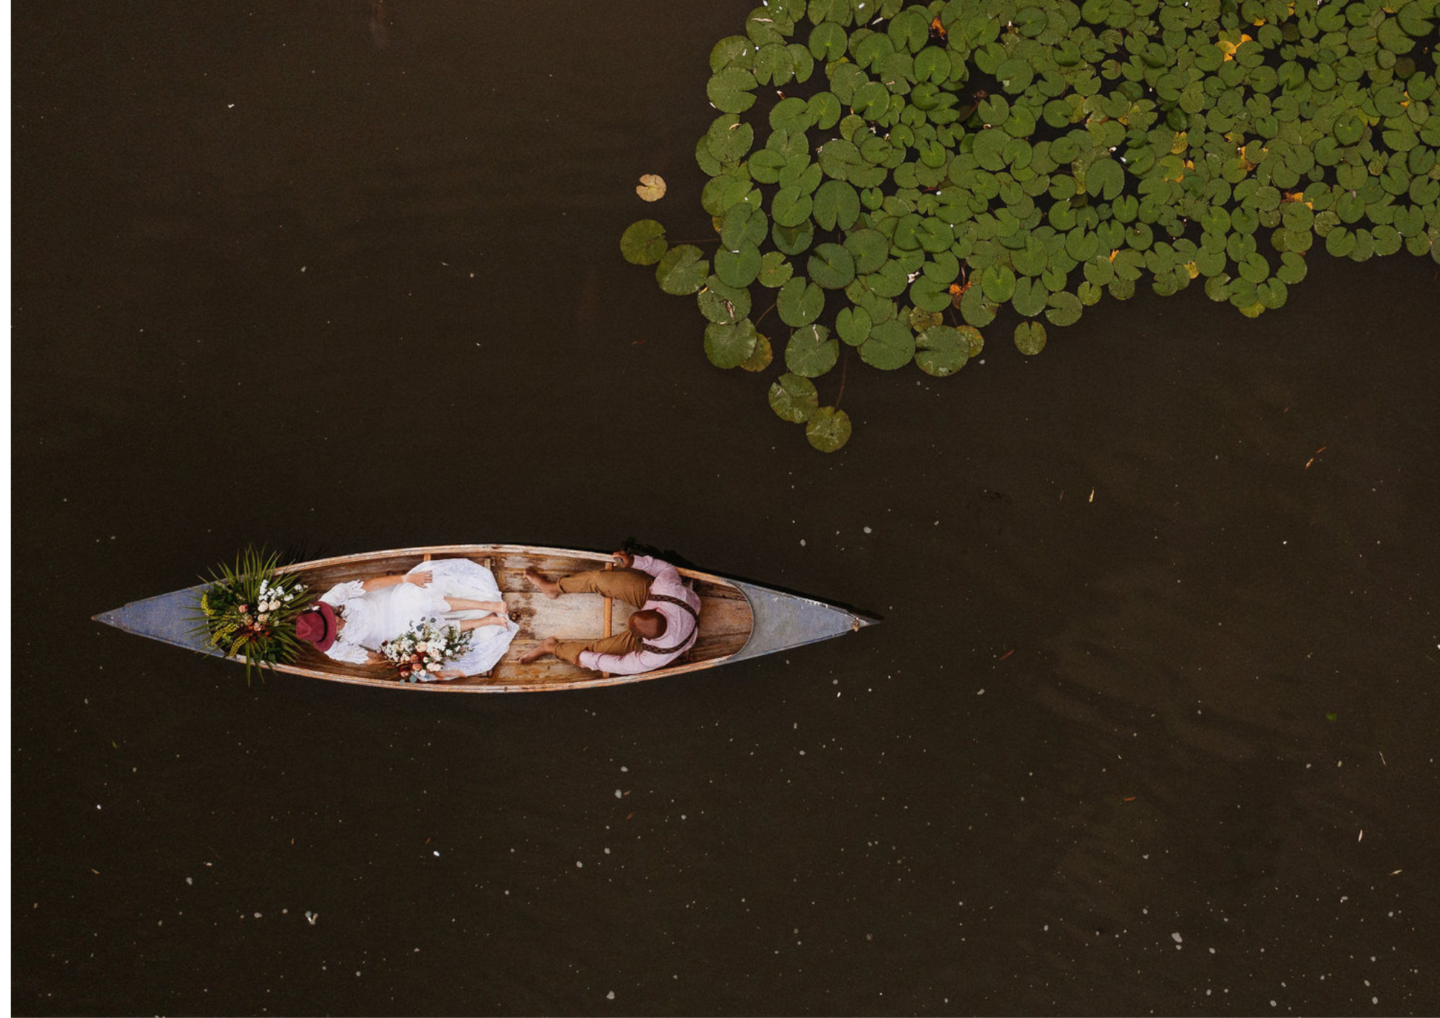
<point x="965" y="155"/>
<point x="250" y="610"/>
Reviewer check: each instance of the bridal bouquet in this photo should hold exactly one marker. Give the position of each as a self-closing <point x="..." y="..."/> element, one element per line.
<point x="250" y="610"/>
<point x="420" y="653"/>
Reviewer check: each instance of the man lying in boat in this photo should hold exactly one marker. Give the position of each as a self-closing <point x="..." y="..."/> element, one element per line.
<point x="663" y="628"/>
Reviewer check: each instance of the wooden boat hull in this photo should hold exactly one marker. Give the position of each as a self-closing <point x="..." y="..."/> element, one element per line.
<point x="738" y="620"/>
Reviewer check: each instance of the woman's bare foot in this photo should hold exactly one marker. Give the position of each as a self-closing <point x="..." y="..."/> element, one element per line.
<point x="550" y="588"/>
<point x="535" y="653"/>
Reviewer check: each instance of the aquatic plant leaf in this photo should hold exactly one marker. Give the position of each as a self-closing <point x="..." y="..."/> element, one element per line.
<point x="733" y="49"/>
<point x="1064" y="309"/>
<point x="811" y="352"/>
<point x="724" y="305"/>
<point x="651" y="187"/>
<point x="853" y="325"/>
<point x="682" y="270"/>
<point x="1105" y="179"/>
<point x="793" y="240"/>
<point x="828" y="429"/>
<point x="790" y="206"/>
<point x="890" y="345"/>
<point x="799" y="302"/>
<point x="732" y="90"/>
<point x="774" y="270"/>
<point x="1029" y="296"/>
<point x="762" y="357"/>
<point x="999" y="284"/>
<point x="831" y="266"/>
<point x="793" y="398"/>
<point x="729" y="139"/>
<point x="941" y="350"/>
<point x="1030" y="338"/>
<point x="738" y="268"/>
<point x="728" y="346"/>
<point x="643" y="243"/>
<point x="836" y="205"/>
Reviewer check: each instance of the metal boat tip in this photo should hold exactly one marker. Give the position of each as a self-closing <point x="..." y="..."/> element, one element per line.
<point x="861" y="621"/>
<point x="110" y="618"/>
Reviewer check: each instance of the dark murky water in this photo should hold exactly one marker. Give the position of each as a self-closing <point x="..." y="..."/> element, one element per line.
<point x="269" y="255"/>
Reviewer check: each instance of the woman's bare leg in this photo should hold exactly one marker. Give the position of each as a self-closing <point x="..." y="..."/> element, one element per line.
<point x="488" y="620"/>
<point x="460" y="604"/>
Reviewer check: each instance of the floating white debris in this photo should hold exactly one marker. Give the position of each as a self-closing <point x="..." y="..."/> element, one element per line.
<point x="617" y="793"/>
<point x="190" y="881"/>
<point x="1176" y="937"/>
<point x="310" y="917"/>
<point x="867" y="530"/>
<point x="610" y="995"/>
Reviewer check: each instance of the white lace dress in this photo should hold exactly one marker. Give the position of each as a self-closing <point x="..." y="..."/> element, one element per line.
<point x="371" y="617"/>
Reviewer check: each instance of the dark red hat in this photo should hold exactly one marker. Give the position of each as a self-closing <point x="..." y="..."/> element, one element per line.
<point x="317" y="626"/>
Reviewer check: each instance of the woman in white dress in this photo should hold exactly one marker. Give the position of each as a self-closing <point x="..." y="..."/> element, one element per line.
<point x="352" y="619"/>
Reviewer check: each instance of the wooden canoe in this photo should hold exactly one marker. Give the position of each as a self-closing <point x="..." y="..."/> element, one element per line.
<point x="738" y="620"/>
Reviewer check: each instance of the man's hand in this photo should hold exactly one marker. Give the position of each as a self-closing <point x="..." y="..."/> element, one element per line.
<point x="419" y="579"/>
<point x="623" y="559"/>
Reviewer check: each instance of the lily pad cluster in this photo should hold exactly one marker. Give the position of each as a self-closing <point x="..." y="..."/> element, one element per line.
<point x="963" y="156"/>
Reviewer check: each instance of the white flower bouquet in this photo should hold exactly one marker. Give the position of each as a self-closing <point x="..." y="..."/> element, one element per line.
<point x="250" y="610"/>
<point x="423" y="650"/>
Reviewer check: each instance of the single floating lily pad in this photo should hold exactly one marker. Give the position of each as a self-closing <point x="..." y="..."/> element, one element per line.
<point x="793" y="398"/>
<point x="811" y="352"/>
<point x="683" y="270"/>
<point x="941" y="350"/>
<point x="728" y="346"/>
<point x="651" y="187"/>
<point x="643" y="243"/>
<point x="1029" y="338"/>
<point x="828" y="429"/>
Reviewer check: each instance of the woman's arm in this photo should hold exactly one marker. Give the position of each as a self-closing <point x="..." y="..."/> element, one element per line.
<point x="380" y="582"/>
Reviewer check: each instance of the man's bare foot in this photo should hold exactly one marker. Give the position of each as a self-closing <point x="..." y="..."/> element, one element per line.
<point x="535" y="653"/>
<point x="550" y="588"/>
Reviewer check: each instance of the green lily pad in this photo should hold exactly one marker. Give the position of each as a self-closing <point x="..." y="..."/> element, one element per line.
<point x="836" y="205"/>
<point x="999" y="284"/>
<point x="643" y="243"/>
<point x="1064" y="309"/>
<point x="811" y="352"/>
<point x="732" y="90"/>
<point x="853" y="325"/>
<point x="729" y="139"/>
<point x="721" y="304"/>
<point x="890" y="345"/>
<point x="790" y="206"/>
<point x="828" y="429"/>
<point x="762" y="358"/>
<point x="832" y="266"/>
<point x="799" y="302"/>
<point x="1029" y="296"/>
<point x="1029" y="338"/>
<point x="738" y="268"/>
<point x="793" y="398"/>
<point x="682" y="270"/>
<point x="941" y="350"/>
<point x="774" y="270"/>
<point x="869" y="248"/>
<point x="728" y="346"/>
<point x="793" y="240"/>
<point x="1105" y="178"/>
